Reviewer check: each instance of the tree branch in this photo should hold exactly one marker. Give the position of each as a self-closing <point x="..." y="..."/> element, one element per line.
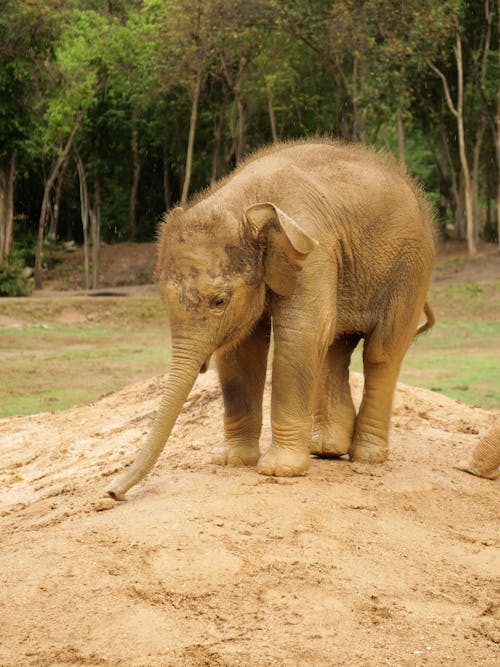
<point x="446" y="88"/>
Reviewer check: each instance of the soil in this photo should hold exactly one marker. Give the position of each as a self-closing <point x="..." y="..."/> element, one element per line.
<point x="351" y="565"/>
<point x="125" y="266"/>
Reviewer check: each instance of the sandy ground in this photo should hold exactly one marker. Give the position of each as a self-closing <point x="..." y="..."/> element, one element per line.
<point x="397" y="564"/>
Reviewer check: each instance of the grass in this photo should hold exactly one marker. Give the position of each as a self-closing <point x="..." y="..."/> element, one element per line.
<point x="49" y="365"/>
<point x="71" y="351"/>
<point x="460" y="359"/>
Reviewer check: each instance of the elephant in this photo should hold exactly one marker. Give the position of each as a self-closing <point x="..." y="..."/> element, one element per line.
<point x="324" y="243"/>
<point x="485" y="460"/>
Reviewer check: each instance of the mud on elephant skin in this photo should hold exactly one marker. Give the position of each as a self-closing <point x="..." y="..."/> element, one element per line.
<point x="324" y="243"/>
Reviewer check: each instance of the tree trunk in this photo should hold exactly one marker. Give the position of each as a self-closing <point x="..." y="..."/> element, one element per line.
<point x="460" y="211"/>
<point x="242" y="128"/>
<point x="448" y="181"/>
<point x="469" y="216"/>
<point x="338" y="75"/>
<point x="135" y="185"/>
<point x="3" y="217"/>
<point x="497" y="138"/>
<point x="7" y="180"/>
<point x="457" y="111"/>
<point x="96" y="232"/>
<point x="270" y="108"/>
<point x="357" y="89"/>
<point x="49" y="183"/>
<point x="219" y="126"/>
<point x="85" y="214"/>
<point x="401" y="137"/>
<point x="54" y="213"/>
<point x="216" y="153"/>
<point x="497" y="147"/>
<point x="481" y="75"/>
<point x="167" y="195"/>
<point x="192" y="132"/>
<point x="475" y="175"/>
<point x="443" y="207"/>
<point x="455" y="197"/>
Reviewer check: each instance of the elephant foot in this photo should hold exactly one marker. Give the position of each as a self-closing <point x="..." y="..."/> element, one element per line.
<point x="282" y="462"/>
<point x="331" y="445"/>
<point x="367" y="448"/>
<point x="472" y="468"/>
<point x="236" y="455"/>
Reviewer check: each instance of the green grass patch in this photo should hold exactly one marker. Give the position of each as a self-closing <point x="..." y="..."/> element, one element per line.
<point x="47" y="364"/>
<point x="452" y="263"/>
<point x="57" y="366"/>
<point x="460" y="359"/>
<point x="470" y="378"/>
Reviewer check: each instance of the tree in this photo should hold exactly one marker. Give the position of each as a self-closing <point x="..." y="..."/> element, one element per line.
<point x="497" y="136"/>
<point x="121" y="108"/>
<point x="240" y="40"/>
<point x="184" y="44"/>
<point x="134" y="85"/>
<point x="457" y="109"/>
<point x="81" y="76"/>
<point x="26" y="44"/>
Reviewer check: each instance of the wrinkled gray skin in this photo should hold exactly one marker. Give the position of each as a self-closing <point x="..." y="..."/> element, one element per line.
<point x="485" y="459"/>
<point x="326" y="244"/>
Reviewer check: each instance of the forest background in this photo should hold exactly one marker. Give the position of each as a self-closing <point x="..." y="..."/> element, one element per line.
<point x="112" y="112"/>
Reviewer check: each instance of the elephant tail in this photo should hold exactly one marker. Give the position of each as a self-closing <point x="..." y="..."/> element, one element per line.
<point x="430" y="320"/>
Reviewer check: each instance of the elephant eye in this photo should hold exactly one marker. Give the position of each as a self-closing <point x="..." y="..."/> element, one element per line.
<point x="218" y="302"/>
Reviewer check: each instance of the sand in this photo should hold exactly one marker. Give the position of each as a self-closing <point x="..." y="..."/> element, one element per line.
<point x="392" y="564"/>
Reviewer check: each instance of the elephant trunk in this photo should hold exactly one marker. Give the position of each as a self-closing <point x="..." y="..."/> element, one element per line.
<point x="181" y="378"/>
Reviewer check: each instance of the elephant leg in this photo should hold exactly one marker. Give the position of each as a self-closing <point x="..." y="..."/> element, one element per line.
<point x="335" y="413"/>
<point x="382" y="357"/>
<point x="297" y="361"/>
<point x="242" y="374"/>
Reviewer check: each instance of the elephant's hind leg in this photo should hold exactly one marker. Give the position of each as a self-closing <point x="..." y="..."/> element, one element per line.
<point x="382" y="357"/>
<point x="242" y="374"/>
<point x="335" y="413"/>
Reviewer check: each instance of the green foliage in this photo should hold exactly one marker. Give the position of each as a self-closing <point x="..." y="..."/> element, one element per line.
<point x="294" y="69"/>
<point x="81" y="71"/>
<point x="12" y="281"/>
<point x="27" y="35"/>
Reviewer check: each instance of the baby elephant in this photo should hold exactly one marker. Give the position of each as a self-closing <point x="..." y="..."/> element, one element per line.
<point x="485" y="459"/>
<point x="326" y="243"/>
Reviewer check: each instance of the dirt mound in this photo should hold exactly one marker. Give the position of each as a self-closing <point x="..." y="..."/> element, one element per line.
<point x="125" y="264"/>
<point x="352" y="565"/>
<point x="120" y="264"/>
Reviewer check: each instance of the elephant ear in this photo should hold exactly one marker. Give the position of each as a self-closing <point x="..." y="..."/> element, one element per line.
<point x="287" y="246"/>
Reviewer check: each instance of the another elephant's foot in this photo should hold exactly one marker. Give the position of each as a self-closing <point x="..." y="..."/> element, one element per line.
<point x="284" y="462"/>
<point x="473" y="468"/>
<point x="236" y="455"/>
<point x="368" y="448"/>
<point x="331" y="442"/>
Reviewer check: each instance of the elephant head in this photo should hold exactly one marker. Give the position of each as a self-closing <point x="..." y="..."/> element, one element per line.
<point x="214" y="268"/>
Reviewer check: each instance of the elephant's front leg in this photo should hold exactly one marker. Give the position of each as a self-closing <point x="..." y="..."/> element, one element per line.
<point x="296" y="364"/>
<point x="242" y="374"/>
